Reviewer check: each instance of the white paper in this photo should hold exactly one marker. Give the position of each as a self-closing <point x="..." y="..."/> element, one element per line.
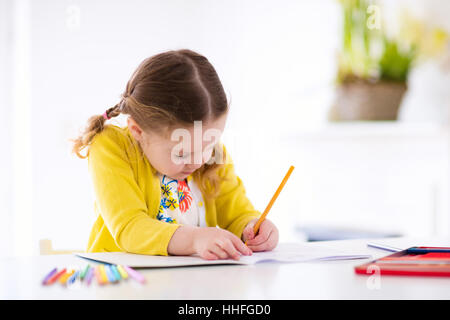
<point x="284" y="252"/>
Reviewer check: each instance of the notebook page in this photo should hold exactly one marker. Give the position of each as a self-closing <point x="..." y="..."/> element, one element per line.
<point x="298" y="252"/>
<point x="284" y="252"/>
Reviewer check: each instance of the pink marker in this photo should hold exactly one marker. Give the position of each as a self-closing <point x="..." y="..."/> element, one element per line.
<point x="134" y="274"/>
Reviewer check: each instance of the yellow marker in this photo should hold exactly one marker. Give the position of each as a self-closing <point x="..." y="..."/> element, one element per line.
<point x="65" y="276"/>
<point x="103" y="275"/>
<point x="122" y="272"/>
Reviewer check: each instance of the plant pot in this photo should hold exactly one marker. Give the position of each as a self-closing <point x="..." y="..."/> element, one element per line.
<point x="367" y="101"/>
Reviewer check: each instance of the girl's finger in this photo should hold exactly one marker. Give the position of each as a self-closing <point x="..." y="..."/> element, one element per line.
<point x="270" y="244"/>
<point x="229" y="248"/>
<point x="219" y="252"/>
<point x="248" y="233"/>
<point x="263" y="246"/>
<point x="240" y="246"/>
<point x="208" y="255"/>
<point x="262" y="235"/>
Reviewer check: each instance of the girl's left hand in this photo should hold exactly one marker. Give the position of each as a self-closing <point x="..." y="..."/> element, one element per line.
<point x="265" y="240"/>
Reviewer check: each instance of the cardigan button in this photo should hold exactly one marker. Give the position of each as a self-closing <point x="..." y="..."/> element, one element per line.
<point x="200" y="204"/>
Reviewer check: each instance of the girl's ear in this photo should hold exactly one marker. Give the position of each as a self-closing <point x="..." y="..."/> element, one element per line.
<point x="134" y="128"/>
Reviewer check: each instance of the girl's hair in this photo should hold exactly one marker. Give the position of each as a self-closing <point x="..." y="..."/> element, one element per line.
<point x="169" y="89"/>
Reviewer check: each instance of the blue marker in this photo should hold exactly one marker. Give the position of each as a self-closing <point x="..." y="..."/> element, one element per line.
<point x="115" y="272"/>
<point x="110" y="274"/>
<point x="73" y="277"/>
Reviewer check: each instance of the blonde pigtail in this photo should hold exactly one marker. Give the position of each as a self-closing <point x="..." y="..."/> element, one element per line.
<point x="94" y="126"/>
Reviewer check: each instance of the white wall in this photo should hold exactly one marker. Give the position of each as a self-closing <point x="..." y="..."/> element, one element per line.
<point x="5" y="128"/>
<point x="276" y="60"/>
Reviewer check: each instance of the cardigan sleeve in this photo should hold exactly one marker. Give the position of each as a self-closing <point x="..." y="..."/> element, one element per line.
<point x="233" y="208"/>
<point x="120" y="200"/>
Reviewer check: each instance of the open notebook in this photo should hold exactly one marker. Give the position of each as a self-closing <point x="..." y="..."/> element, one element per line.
<point x="284" y="252"/>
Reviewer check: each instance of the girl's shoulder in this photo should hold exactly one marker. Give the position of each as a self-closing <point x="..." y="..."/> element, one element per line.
<point x="112" y="133"/>
<point x="117" y="138"/>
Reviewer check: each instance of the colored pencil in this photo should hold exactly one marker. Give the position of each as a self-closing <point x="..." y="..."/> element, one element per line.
<point x="103" y="275"/>
<point x="98" y="275"/>
<point x="84" y="272"/>
<point x="122" y="272"/>
<point x="134" y="274"/>
<point x="271" y="202"/>
<point x="116" y="272"/>
<point x="89" y="276"/>
<point x="49" y="275"/>
<point x="65" y="276"/>
<point x="110" y="274"/>
<point x="73" y="277"/>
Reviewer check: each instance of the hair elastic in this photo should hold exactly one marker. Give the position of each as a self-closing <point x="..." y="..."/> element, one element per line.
<point x="105" y="115"/>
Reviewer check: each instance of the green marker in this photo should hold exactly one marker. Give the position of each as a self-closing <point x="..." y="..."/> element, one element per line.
<point x="84" y="272"/>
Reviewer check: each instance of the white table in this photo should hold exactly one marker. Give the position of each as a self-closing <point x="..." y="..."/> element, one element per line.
<point x="21" y="279"/>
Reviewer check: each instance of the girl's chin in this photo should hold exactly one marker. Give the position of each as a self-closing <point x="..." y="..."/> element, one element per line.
<point x="185" y="174"/>
<point x="180" y="176"/>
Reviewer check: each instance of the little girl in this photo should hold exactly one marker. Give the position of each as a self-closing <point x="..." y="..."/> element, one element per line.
<point x="155" y="195"/>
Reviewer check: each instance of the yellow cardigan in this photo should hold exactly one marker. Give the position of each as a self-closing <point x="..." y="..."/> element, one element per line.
<point x="128" y="195"/>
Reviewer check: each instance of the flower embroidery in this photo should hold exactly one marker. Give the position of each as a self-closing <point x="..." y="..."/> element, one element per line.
<point x="165" y="218"/>
<point x="184" y="196"/>
<point x="163" y="204"/>
<point x="171" y="204"/>
<point x="166" y="190"/>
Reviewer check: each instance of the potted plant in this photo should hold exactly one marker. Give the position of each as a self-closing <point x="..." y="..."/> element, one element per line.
<point x="372" y="68"/>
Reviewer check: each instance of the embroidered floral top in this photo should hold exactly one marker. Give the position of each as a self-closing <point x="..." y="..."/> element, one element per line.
<point x="181" y="202"/>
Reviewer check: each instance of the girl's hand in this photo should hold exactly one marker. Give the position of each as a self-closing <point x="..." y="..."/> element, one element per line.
<point x="212" y="243"/>
<point x="265" y="240"/>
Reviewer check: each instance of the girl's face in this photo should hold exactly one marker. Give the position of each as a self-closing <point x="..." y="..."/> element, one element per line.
<point x="181" y="151"/>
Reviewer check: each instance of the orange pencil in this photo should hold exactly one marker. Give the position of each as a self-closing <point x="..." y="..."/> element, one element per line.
<point x="65" y="276"/>
<point x="275" y="196"/>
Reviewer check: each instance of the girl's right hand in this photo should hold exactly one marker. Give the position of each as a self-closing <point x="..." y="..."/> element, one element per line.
<point x="213" y="243"/>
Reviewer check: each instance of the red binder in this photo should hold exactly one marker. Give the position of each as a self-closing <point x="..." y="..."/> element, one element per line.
<point x="415" y="261"/>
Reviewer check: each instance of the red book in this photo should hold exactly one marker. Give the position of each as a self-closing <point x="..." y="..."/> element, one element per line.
<point x="436" y="264"/>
